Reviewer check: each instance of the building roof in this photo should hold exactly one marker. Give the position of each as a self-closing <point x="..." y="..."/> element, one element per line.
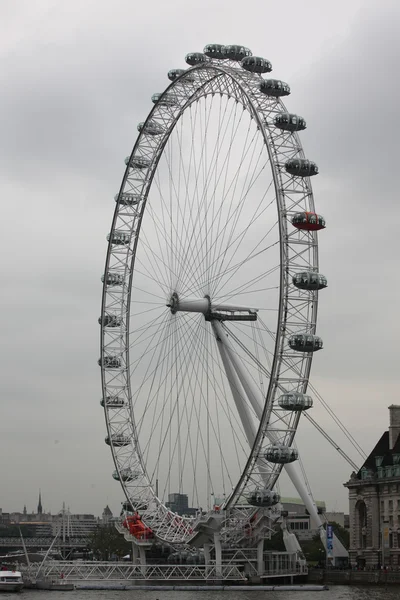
<point x="381" y="449"/>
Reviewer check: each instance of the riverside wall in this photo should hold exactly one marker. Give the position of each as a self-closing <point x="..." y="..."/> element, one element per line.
<point x="352" y="577"/>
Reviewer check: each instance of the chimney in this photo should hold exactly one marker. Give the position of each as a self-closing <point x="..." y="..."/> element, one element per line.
<point x="394" y="424"/>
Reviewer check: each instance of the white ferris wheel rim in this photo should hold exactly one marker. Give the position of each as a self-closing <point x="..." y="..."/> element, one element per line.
<point x="289" y="371"/>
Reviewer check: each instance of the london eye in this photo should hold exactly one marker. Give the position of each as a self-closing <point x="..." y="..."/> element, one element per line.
<point x="210" y="297"/>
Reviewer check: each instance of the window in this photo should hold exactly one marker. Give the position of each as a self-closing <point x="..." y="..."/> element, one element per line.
<point x="390" y="505"/>
<point x="391" y="521"/>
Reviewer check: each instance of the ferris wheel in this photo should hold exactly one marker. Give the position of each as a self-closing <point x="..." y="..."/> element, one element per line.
<point x="210" y="292"/>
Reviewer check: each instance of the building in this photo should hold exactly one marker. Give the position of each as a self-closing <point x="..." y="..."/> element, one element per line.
<point x="298" y="519"/>
<point x="107" y="516"/>
<point x="4" y="517"/>
<point x="179" y="503"/>
<point x="374" y="502"/>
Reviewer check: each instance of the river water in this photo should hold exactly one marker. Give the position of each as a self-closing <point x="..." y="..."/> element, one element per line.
<point x="337" y="592"/>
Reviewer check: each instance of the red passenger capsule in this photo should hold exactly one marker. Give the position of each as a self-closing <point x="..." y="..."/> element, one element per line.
<point x="309" y="221"/>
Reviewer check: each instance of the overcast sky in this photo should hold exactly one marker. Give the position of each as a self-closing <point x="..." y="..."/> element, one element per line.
<point x="75" y="79"/>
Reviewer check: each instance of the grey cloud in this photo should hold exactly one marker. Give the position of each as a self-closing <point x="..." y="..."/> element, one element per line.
<point x="76" y="80"/>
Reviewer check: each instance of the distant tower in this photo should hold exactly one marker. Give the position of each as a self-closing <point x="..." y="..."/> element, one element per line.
<point x="39" y="507"/>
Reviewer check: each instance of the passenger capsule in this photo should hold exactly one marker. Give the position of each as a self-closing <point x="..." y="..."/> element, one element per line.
<point x="164" y="99"/>
<point x="301" y="167"/>
<point x="263" y="498"/>
<point x="112" y="402"/>
<point x="295" y="401"/>
<point x="235" y="52"/>
<point x="127" y="199"/>
<point x="290" y="122"/>
<point x="119" y="238"/>
<point x="110" y="320"/>
<point x="112" y="279"/>
<point x="281" y="455"/>
<point x="175" y="73"/>
<point x="256" y="64"/>
<point x="305" y="342"/>
<point x="138" y="162"/>
<point x="308" y="221"/>
<point x="118" y="440"/>
<point x="125" y="475"/>
<point x="150" y="128"/>
<point x="309" y="280"/>
<point x="214" y="51"/>
<point x="110" y="362"/>
<point x="195" y="58"/>
<point x="274" y="87"/>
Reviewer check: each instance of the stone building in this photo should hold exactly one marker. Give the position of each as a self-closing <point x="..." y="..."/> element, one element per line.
<point x="107" y="516"/>
<point x="374" y="502"/>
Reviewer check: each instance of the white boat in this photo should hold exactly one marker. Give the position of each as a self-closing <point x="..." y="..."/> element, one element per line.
<point x="10" y="581"/>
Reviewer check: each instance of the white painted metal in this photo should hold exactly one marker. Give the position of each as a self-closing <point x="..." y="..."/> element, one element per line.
<point x="198" y="305"/>
<point x="256" y="401"/>
<point x="250" y="389"/>
<point x="296" y="311"/>
<point x="233" y="308"/>
<point x="237" y="392"/>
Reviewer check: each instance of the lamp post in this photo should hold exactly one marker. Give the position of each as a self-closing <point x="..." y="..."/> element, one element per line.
<point x="385" y="540"/>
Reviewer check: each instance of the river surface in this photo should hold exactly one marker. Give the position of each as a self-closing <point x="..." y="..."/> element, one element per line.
<point x="337" y="592"/>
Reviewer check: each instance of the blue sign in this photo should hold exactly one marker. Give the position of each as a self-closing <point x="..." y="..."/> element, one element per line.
<point x="329" y="540"/>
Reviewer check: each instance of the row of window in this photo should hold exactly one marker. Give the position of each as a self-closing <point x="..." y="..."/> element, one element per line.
<point x="391" y="504"/>
<point x="381" y="472"/>
<point x="299" y="525"/>
<point x="379" y="459"/>
<point x="390" y="519"/>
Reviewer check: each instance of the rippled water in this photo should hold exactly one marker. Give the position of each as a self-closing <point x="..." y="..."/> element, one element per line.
<point x="334" y="593"/>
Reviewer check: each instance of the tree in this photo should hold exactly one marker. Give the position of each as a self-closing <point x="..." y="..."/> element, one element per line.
<point x="106" y="541"/>
<point x="341" y="533"/>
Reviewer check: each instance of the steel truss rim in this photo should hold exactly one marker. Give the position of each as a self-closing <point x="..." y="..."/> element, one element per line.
<point x="222" y="71"/>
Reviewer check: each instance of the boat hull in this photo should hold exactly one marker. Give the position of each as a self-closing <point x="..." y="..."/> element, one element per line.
<point x="10" y="586"/>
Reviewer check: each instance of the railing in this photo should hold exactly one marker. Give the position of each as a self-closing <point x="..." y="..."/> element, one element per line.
<point x="92" y="571"/>
<point x="44" y="542"/>
<point x="73" y="571"/>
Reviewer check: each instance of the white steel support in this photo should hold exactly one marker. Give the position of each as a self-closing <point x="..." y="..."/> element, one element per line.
<point x="207" y="555"/>
<point x="135" y="554"/>
<point x="204" y="305"/>
<point x="236" y="389"/>
<point x="218" y="554"/>
<point x="142" y="558"/>
<point x="304" y="493"/>
<point x="260" y="558"/>
<point x="256" y="399"/>
<point x="199" y="305"/>
<point x="252" y="392"/>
